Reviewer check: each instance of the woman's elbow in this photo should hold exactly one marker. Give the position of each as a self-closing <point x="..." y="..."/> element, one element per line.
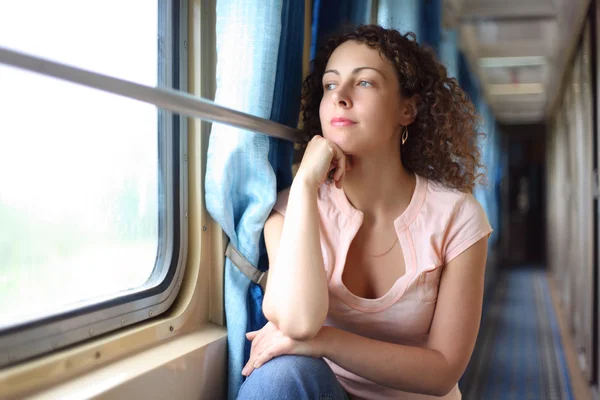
<point x="300" y="331"/>
<point x="443" y="390"/>
<point x="268" y="311"/>
<point x="444" y="386"/>
<point x="295" y="327"/>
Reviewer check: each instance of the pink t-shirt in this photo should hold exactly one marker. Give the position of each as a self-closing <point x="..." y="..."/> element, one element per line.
<point x="438" y="225"/>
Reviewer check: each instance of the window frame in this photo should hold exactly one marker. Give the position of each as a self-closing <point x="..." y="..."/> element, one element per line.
<point x="31" y="339"/>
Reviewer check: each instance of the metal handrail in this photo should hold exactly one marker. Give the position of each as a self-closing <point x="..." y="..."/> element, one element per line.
<point x="172" y="100"/>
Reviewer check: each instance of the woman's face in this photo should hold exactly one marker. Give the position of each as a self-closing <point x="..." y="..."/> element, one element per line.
<point x="361" y="109"/>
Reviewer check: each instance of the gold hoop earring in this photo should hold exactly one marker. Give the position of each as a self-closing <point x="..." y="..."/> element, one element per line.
<point x="404" y="134"/>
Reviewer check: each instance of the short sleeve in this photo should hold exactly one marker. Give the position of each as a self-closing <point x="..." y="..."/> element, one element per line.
<point x="281" y="202"/>
<point x="468" y="225"/>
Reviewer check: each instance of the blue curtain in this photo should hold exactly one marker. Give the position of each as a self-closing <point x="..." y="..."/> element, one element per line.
<point x="449" y="51"/>
<point x="259" y="49"/>
<point x="458" y="67"/>
<point x="467" y="80"/>
<point x="423" y="17"/>
<point x="404" y="15"/>
<point x="489" y="196"/>
<point x="330" y="16"/>
<point x="490" y="146"/>
<point x="480" y="193"/>
<point x="431" y="24"/>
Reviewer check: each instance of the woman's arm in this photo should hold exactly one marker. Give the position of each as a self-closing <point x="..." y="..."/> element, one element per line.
<point x="296" y="298"/>
<point x="432" y="370"/>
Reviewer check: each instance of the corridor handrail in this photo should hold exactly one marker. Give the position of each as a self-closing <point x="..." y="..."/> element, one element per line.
<point x="172" y="100"/>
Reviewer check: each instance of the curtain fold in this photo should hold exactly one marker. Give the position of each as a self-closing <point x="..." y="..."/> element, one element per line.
<point x="449" y="51"/>
<point x="488" y="196"/>
<point x="404" y="16"/>
<point x="240" y="183"/>
<point x="331" y="16"/>
<point x="457" y="66"/>
<point x="431" y="24"/>
<point x="467" y="80"/>
<point x="259" y="72"/>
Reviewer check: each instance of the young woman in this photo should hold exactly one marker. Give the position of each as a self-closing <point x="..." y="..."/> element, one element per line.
<point x="377" y="252"/>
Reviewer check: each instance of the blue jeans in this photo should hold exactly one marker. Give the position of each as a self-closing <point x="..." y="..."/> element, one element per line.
<point x="292" y="377"/>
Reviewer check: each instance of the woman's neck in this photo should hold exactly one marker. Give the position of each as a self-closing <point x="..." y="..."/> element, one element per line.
<point x="379" y="185"/>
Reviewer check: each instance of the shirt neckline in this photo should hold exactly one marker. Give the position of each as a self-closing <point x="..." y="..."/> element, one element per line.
<point x="401" y="224"/>
<point x="404" y="219"/>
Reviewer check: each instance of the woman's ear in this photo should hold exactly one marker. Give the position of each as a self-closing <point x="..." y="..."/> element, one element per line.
<point x="409" y="110"/>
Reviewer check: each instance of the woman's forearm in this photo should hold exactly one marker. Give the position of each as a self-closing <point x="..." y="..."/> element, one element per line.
<point x="406" y="368"/>
<point x="297" y="299"/>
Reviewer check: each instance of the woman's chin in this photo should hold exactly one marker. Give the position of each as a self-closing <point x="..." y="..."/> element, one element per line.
<point x="345" y="142"/>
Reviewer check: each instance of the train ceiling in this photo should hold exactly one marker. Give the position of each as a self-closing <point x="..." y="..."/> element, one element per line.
<point x="519" y="49"/>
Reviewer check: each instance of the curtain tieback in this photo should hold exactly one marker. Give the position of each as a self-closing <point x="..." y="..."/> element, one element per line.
<point x="246" y="267"/>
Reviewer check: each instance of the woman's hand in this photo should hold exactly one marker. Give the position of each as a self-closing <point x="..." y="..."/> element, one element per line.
<point x="269" y="342"/>
<point x="321" y="157"/>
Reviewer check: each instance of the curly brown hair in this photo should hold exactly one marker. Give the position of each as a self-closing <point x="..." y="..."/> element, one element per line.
<point x="443" y="143"/>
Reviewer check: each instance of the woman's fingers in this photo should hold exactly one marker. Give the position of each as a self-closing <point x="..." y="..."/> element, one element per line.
<point x="251" y="335"/>
<point x="247" y="370"/>
<point x="254" y="352"/>
<point x="265" y="356"/>
<point x="258" y="358"/>
<point x="260" y="339"/>
<point x="277" y="349"/>
<point x="265" y="335"/>
<point x="339" y="160"/>
<point x="323" y="161"/>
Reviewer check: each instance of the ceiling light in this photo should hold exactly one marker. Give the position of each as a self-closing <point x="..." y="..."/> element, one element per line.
<point x="502" y="62"/>
<point x="503" y="89"/>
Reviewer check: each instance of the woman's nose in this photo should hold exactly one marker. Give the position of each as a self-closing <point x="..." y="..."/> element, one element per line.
<point x="342" y="99"/>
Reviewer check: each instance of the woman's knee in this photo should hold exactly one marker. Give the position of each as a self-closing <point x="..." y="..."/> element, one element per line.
<point x="294" y="364"/>
<point x="290" y="367"/>
<point x="298" y="376"/>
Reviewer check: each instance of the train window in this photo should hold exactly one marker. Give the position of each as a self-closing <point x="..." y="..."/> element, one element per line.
<point x="113" y="37"/>
<point x="92" y="191"/>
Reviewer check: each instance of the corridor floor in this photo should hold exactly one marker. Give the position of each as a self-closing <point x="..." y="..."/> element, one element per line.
<point x="519" y="354"/>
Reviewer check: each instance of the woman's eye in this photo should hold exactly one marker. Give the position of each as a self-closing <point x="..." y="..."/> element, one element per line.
<point x="365" y="84"/>
<point x="330" y="86"/>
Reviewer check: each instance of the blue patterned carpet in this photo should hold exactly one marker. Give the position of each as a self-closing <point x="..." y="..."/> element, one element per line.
<point x="518" y="354"/>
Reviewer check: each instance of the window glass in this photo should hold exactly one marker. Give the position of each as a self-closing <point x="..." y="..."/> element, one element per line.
<point x="79" y="168"/>
<point x="112" y="37"/>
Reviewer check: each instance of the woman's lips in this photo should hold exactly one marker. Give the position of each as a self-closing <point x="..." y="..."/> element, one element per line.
<point x="340" y="121"/>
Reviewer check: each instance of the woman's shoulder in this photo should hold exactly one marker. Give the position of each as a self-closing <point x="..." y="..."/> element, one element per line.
<point x="449" y="205"/>
<point x="457" y="218"/>
<point x="444" y="198"/>
<point x="438" y="191"/>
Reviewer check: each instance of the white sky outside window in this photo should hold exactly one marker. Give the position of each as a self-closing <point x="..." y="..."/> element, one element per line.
<point x="78" y="167"/>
